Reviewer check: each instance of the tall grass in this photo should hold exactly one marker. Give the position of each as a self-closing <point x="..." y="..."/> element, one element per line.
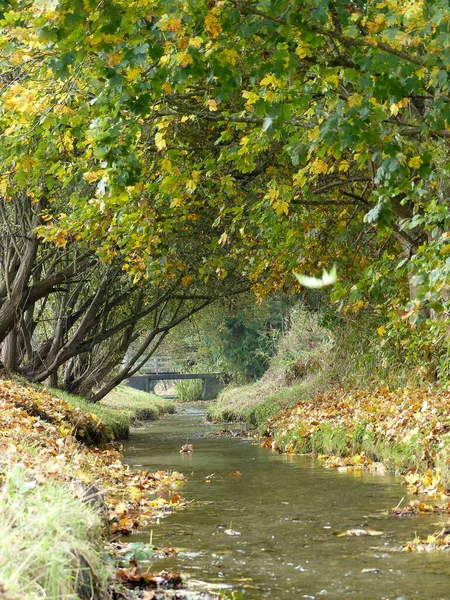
<point x="189" y="390"/>
<point x="50" y="543"/>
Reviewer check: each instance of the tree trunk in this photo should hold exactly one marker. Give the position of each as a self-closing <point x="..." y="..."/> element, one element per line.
<point x="9" y="351"/>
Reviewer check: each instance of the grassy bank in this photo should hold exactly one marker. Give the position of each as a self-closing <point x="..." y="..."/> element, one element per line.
<point x="122" y="408"/>
<point x="51" y="542"/>
<point x="62" y="497"/>
<point x="299" y="369"/>
<point x="403" y="431"/>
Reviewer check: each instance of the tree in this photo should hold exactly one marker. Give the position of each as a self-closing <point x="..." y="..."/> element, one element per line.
<point x="277" y="136"/>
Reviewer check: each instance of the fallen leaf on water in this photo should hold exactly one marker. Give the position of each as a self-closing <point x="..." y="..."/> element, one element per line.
<point x="359" y="532"/>
<point x="187" y="448"/>
<point x="232" y="532"/>
<point x="235" y="474"/>
<point x="371" y="570"/>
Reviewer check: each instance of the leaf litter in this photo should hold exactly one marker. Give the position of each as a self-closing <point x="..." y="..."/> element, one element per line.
<point x="46" y="436"/>
<point x="374" y="427"/>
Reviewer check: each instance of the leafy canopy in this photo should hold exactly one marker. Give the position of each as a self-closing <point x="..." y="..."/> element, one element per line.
<point x="293" y="135"/>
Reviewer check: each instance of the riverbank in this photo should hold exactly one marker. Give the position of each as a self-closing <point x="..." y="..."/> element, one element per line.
<point x="405" y="431"/>
<point x="64" y="493"/>
<point x="122" y="408"/>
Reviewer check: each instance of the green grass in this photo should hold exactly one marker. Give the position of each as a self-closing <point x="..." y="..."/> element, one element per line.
<point x="255" y="404"/>
<point x="122" y="408"/>
<point x="339" y="441"/>
<point x="139" y="405"/>
<point x="51" y="543"/>
<point x="189" y="390"/>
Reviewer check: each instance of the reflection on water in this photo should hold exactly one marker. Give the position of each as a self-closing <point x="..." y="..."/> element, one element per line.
<point x="272" y="532"/>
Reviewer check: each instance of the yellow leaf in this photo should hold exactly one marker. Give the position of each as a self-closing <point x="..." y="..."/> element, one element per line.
<point x="344" y="166"/>
<point x="354" y="100"/>
<point x="114" y="59"/>
<point x="319" y="166"/>
<point x="91" y="176"/>
<point x="174" y="25"/>
<point x="229" y="56"/>
<point x="166" y="165"/>
<point x="196" y="42"/>
<point x="166" y="87"/>
<point x="415" y="162"/>
<point x="223" y="239"/>
<point x="176" y="202"/>
<point x="251" y="98"/>
<point x="394" y="109"/>
<point x="381" y="330"/>
<point x="272" y="194"/>
<point x="187" y="280"/>
<point x="270" y="80"/>
<point x="302" y="50"/>
<point x="120" y="508"/>
<point x="184" y="59"/>
<point x="212" y="105"/>
<point x="212" y="26"/>
<point x="133" y="74"/>
<point x="281" y="208"/>
<point x="160" y="142"/>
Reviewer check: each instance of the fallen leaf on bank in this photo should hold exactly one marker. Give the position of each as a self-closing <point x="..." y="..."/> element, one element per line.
<point x="417" y="507"/>
<point x="40" y="430"/>
<point x="440" y="540"/>
<point x="136" y="576"/>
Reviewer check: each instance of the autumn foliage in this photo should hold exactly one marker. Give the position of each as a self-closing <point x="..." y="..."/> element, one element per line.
<point x="43" y="433"/>
<point x="403" y="430"/>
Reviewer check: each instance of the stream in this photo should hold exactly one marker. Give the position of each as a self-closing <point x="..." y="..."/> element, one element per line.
<point x="272" y="532"/>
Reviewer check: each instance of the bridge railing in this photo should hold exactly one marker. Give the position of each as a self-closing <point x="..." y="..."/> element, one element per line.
<point x="159" y="364"/>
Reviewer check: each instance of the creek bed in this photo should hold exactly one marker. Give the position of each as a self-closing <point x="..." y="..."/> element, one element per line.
<point x="272" y="532"/>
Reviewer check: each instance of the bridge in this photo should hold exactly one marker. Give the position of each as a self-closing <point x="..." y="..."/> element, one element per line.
<point x="159" y="368"/>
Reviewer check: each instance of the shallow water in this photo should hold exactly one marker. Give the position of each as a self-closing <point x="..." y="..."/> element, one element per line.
<point x="287" y="510"/>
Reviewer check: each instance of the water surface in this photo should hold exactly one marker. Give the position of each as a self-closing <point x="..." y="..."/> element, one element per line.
<point x="287" y="510"/>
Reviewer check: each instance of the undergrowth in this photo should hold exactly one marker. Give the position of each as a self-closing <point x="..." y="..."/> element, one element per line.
<point x="317" y="353"/>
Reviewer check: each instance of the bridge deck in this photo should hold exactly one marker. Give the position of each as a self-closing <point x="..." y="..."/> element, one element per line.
<point x="212" y="382"/>
<point x="171" y="375"/>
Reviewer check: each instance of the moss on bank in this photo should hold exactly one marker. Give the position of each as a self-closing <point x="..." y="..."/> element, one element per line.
<point x="138" y="405"/>
<point x="250" y="405"/>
